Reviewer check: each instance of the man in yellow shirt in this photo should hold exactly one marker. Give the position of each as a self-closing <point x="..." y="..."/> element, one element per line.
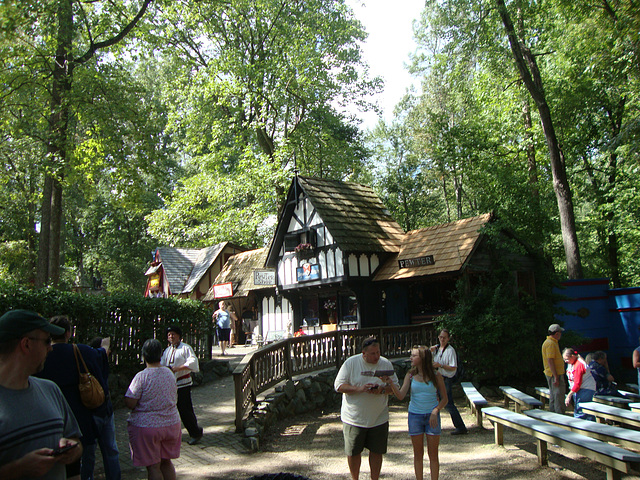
<point x="554" y="368"/>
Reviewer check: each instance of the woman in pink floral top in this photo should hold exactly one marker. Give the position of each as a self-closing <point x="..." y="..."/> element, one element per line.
<point x="154" y="422"/>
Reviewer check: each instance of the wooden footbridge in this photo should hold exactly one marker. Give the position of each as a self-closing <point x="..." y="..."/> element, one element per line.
<point x="285" y="359"/>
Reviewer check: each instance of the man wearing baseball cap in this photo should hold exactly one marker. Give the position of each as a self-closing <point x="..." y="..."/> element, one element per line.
<point x="554" y="368"/>
<point x="35" y="419"/>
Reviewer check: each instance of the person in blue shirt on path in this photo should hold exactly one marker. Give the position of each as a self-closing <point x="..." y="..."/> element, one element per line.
<point x="223" y="318"/>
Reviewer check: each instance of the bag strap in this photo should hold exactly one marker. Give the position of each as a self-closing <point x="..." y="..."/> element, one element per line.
<point x="76" y="352"/>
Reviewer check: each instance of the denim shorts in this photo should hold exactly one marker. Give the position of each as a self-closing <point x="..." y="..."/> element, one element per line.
<point x="419" y="424"/>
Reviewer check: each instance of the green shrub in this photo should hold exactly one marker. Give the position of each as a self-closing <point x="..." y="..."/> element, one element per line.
<point x="129" y="319"/>
<point x="497" y="330"/>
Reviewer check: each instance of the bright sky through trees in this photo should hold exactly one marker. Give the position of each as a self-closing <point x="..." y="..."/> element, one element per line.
<point x="390" y="29"/>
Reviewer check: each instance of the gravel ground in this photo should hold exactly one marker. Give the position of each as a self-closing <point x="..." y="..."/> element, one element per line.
<point x="311" y="446"/>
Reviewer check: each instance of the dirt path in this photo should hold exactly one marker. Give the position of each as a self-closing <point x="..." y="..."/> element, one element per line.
<point x="312" y="446"/>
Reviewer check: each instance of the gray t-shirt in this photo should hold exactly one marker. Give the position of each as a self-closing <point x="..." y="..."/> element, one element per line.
<point x="35" y="417"/>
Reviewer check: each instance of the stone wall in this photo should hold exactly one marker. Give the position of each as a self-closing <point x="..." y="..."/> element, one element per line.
<point x="314" y="392"/>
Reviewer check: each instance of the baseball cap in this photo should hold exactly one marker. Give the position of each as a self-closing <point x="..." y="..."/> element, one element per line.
<point x="15" y="323"/>
<point x="554" y="327"/>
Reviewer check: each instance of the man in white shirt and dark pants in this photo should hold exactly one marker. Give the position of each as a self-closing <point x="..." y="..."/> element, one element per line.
<point x="365" y="412"/>
<point x="182" y="360"/>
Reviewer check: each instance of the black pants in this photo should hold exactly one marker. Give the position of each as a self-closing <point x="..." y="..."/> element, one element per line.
<point x="185" y="409"/>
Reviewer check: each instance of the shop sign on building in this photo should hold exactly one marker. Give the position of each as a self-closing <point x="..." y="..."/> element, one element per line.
<point x="264" y="277"/>
<point x="154" y="280"/>
<point x="416" y="262"/>
<point x="308" y="272"/>
<point x="223" y="290"/>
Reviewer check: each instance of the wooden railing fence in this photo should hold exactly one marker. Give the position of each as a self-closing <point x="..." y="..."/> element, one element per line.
<point x="128" y="332"/>
<point x="287" y="358"/>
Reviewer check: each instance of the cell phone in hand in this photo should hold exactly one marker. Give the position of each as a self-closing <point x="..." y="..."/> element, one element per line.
<point x="61" y="450"/>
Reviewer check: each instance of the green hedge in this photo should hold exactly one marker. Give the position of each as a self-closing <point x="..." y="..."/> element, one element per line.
<point x="129" y="319"/>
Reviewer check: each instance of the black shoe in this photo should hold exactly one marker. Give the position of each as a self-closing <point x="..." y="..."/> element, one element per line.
<point x="195" y="440"/>
<point x="460" y="431"/>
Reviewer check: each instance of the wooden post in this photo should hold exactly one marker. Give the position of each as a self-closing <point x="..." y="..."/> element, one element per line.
<point x="542" y="453"/>
<point x="237" y="383"/>
<point x="613" y="474"/>
<point x="498" y="433"/>
<point x="288" y="363"/>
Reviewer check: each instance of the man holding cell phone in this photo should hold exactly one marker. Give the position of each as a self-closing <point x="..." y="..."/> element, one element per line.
<point x="39" y="434"/>
<point x="365" y="411"/>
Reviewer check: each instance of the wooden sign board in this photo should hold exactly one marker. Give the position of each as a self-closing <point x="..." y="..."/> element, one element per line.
<point x="308" y="272"/>
<point x="265" y="277"/>
<point x="223" y="290"/>
<point x="416" y="262"/>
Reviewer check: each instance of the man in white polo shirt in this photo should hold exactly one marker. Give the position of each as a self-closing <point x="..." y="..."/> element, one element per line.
<point x="365" y="411"/>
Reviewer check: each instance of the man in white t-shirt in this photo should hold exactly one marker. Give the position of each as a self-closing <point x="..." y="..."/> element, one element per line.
<point x="365" y="412"/>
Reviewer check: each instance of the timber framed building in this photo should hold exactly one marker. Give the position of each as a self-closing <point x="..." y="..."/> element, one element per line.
<point x="339" y="260"/>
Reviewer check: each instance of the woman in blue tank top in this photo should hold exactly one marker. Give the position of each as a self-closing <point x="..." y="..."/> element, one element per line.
<point x="424" y="408"/>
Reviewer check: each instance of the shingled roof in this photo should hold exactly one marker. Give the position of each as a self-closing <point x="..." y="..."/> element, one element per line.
<point x="451" y="245"/>
<point x="177" y="264"/>
<point x="354" y="214"/>
<point x="207" y="256"/>
<point x="184" y="267"/>
<point x="239" y="271"/>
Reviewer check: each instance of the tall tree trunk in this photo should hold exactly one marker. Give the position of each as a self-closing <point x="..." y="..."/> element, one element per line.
<point x="48" y="266"/>
<point x="444" y="195"/>
<point x="49" y="251"/>
<point x="56" y="228"/>
<point x="530" y="149"/>
<point x="528" y="126"/>
<point x="532" y="79"/>
<point x="42" y="266"/>
<point x="615" y="118"/>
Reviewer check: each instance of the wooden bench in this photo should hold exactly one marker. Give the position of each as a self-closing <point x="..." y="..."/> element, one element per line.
<point x="635" y="407"/>
<point x="543" y="393"/>
<point x="476" y="400"/>
<point x="613" y="400"/>
<point x="604" y="412"/>
<point x="520" y="399"/>
<point x="633" y="386"/>
<point x="601" y="431"/>
<point x="616" y="460"/>
<point x="630" y="395"/>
